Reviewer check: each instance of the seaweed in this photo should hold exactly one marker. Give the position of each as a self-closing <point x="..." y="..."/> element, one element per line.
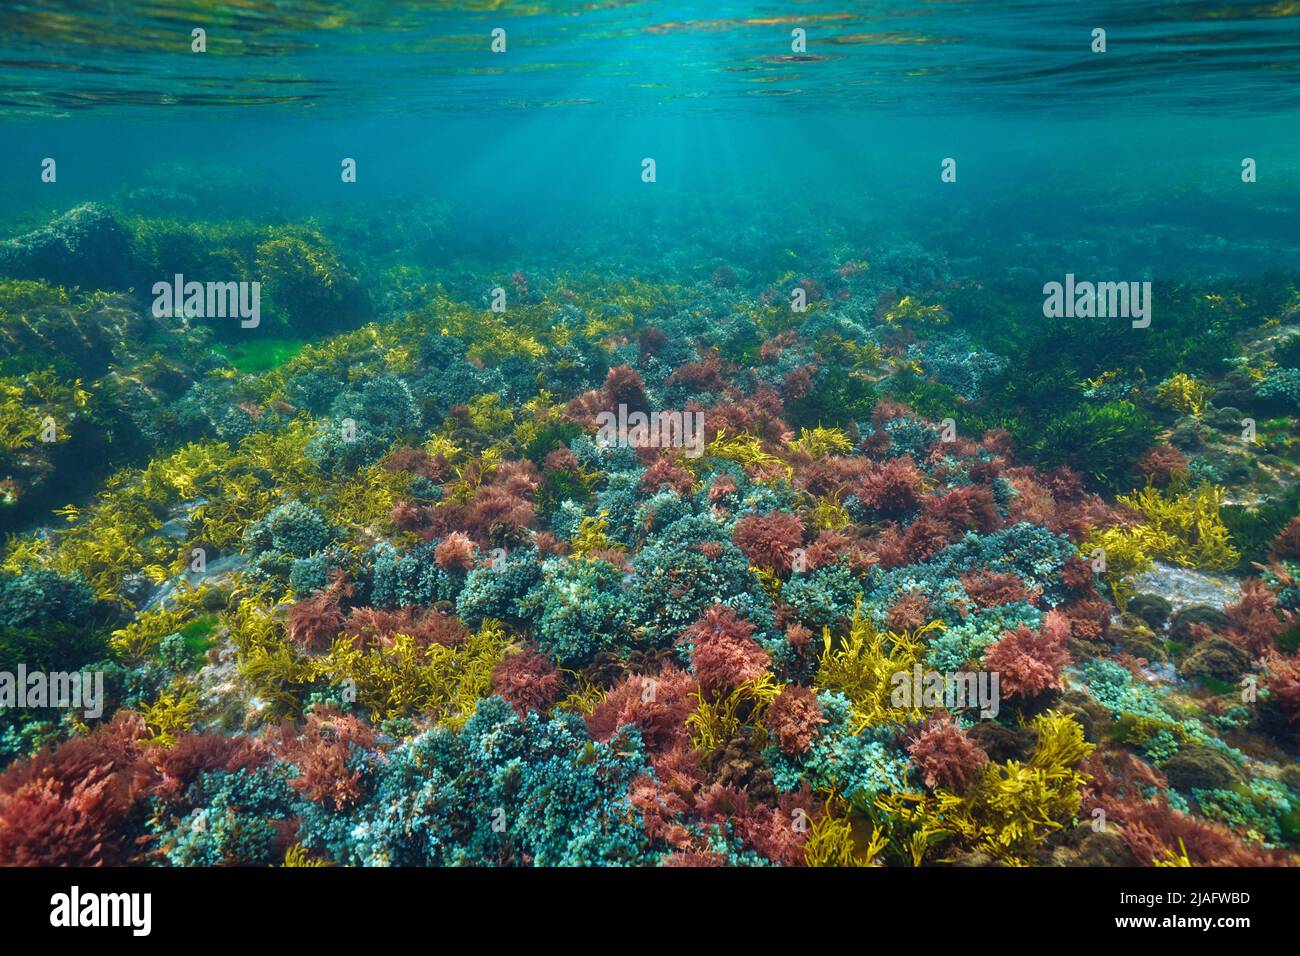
<point x="465" y="631"/>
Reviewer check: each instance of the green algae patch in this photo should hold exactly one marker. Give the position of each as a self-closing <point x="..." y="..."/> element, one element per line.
<point x="260" y="355"/>
<point x="198" y="634"/>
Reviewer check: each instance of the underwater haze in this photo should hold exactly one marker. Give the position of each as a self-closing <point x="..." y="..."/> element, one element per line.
<point x="649" y="433"/>
<point x="1131" y="156"/>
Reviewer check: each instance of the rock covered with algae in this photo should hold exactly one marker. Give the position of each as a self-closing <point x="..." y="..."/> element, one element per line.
<point x="664" y="571"/>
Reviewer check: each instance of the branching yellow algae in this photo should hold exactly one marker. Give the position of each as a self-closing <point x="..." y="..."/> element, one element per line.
<point x="1010" y="808"/>
<point x="862" y="664"/>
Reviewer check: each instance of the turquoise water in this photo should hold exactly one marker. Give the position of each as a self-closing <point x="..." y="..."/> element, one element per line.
<point x="419" y="60"/>
<point x="1129" y="158"/>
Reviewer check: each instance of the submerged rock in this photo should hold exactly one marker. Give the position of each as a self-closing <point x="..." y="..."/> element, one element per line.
<point x="1182" y="587"/>
<point x="1133" y="634"/>
<point x="1151" y="608"/>
<point x="1183" y="625"/>
<point x="1002" y="743"/>
<point x="84" y="247"/>
<point x="1200" y="768"/>
<point x="218" y="572"/>
<point x="1217" y="658"/>
<point x="1103" y="848"/>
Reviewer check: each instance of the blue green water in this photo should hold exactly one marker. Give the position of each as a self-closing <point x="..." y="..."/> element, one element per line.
<point x="1128" y="159"/>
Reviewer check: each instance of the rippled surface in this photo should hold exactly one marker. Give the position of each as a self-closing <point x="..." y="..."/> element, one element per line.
<point x="404" y="57"/>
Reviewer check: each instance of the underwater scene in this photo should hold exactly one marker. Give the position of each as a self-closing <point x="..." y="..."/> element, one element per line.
<point x="649" y="434"/>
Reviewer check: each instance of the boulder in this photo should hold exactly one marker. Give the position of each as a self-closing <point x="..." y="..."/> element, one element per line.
<point x="1180" y="625"/>
<point x="84" y="247"/>
<point x="1200" y="768"/>
<point x="1217" y="658"/>
<point x="1151" y="608"/>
